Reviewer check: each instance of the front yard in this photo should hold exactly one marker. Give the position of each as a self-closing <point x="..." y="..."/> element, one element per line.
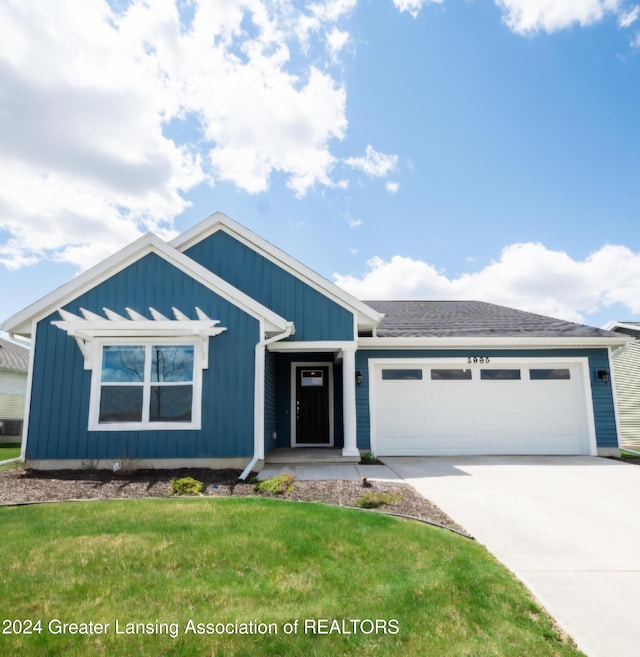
<point x="9" y="451"/>
<point x="247" y="576"/>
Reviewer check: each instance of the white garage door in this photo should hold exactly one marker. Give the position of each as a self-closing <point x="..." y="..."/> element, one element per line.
<point x="431" y="408"/>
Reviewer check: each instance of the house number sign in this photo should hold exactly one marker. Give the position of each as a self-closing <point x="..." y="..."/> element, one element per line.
<point x="478" y="359"/>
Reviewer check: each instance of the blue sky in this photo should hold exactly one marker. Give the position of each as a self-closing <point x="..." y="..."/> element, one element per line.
<point x="445" y="149"/>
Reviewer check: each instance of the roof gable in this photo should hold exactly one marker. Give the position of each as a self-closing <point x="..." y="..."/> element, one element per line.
<point x="366" y="316"/>
<point x="20" y="323"/>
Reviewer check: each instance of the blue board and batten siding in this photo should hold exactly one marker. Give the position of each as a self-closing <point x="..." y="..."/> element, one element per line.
<point x="602" y="397"/>
<point x="316" y="317"/>
<point x="58" y="427"/>
<point x="270" y="401"/>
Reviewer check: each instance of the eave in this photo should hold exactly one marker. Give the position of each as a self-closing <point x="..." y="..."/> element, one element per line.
<point x="481" y="342"/>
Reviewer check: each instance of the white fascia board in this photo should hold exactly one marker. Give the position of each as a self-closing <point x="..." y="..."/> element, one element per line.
<point x="612" y="326"/>
<point x="366" y="316"/>
<point x="314" y="346"/>
<point x="488" y="343"/>
<point x="21" y="323"/>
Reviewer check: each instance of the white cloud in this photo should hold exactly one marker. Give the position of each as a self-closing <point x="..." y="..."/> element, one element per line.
<point x="336" y="41"/>
<point x="354" y="222"/>
<point x="392" y="187"/>
<point x="527" y="276"/>
<point x="529" y="16"/>
<point x="628" y="18"/>
<point x="373" y="163"/>
<point x="320" y="15"/>
<point x="89" y="95"/>
<point x="413" y="6"/>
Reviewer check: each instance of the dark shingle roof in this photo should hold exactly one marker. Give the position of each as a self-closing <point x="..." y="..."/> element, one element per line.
<point x="13" y="356"/>
<point x="419" y="319"/>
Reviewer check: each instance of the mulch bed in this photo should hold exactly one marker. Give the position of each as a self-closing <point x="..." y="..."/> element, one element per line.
<point x="24" y="487"/>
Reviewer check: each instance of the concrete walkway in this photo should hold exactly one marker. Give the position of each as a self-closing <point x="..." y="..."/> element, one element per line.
<point x="568" y="527"/>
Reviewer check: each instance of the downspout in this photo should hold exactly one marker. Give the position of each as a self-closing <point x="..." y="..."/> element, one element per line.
<point x="259" y="437"/>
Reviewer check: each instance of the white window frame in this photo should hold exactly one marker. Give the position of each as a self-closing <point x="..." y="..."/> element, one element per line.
<point x="145" y="424"/>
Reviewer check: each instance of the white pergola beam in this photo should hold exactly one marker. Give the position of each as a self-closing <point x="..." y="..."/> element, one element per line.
<point x="90" y="326"/>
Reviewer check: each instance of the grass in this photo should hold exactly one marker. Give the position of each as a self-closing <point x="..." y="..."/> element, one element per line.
<point x="153" y="561"/>
<point x="9" y="451"/>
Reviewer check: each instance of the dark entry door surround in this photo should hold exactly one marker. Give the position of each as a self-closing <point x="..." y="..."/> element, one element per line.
<point x="312" y="405"/>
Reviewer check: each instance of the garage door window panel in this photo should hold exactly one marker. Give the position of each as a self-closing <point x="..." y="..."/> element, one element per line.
<point x="500" y="375"/>
<point x="561" y="374"/>
<point x="401" y="375"/>
<point x="450" y="375"/>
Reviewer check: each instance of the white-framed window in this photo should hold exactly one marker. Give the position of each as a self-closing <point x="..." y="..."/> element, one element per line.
<point x="145" y="384"/>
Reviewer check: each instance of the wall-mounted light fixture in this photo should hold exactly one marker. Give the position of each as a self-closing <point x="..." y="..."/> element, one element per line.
<point x="604" y="376"/>
<point x="358" y="377"/>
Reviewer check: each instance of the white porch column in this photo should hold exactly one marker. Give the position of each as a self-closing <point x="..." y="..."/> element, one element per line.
<point x="349" y="401"/>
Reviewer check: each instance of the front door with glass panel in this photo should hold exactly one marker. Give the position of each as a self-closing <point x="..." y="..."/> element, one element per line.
<point x="312" y="406"/>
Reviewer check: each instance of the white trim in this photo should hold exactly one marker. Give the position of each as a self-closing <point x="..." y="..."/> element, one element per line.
<point x="149" y="243"/>
<point x="349" y="411"/>
<point x="320" y="346"/>
<point x="480" y="342"/>
<point x="367" y="316"/>
<point x="585" y="401"/>
<point x="27" y="398"/>
<point x="612" y="326"/>
<point x="318" y="364"/>
<point x="96" y="385"/>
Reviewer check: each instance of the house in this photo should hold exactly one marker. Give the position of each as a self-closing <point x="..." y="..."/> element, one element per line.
<point x="14" y="363"/>
<point x="626" y="370"/>
<point x="216" y="348"/>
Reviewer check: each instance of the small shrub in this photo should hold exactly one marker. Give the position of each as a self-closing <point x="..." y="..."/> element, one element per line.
<point x="368" y="457"/>
<point x="276" y="485"/>
<point x="376" y="500"/>
<point x="186" y="486"/>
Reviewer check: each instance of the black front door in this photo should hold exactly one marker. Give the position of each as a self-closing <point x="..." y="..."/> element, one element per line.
<point x="312" y="406"/>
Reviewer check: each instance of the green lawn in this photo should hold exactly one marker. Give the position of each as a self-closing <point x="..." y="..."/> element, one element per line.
<point x="398" y="587"/>
<point x="9" y="451"/>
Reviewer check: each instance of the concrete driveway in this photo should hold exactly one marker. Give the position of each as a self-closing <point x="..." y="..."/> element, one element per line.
<point x="568" y="527"/>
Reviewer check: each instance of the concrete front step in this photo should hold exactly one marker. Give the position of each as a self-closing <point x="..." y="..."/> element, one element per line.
<point x="309" y="456"/>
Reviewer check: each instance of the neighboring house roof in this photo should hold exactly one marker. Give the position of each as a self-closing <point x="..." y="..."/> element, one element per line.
<point x="422" y="319"/>
<point x="13" y="356"/>
<point x="628" y="328"/>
